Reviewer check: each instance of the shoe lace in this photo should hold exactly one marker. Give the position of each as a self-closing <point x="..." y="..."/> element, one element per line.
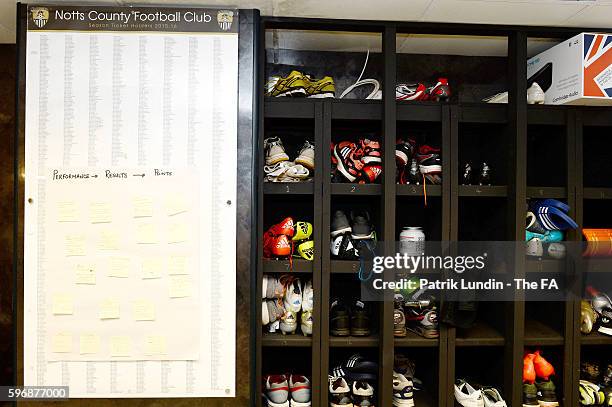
<point x="363" y="274"/>
<point x="360" y="82"/>
<point x="307" y="145"/>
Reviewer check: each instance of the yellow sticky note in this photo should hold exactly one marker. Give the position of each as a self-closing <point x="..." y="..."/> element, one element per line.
<point x="109" y="309"/>
<point x="146" y="233"/>
<point x="177" y="233"/>
<point x="151" y="267"/>
<point x="67" y="211"/>
<point x="120" y="346"/>
<point x="143" y="206"/>
<point x="89" y="343"/>
<point x="177" y="265"/>
<point x="100" y="212"/>
<point x="119" y="267"/>
<point x="109" y="240"/>
<point x="62" y="304"/>
<point x="74" y="245"/>
<point x="155" y="345"/>
<point x="180" y="286"/>
<point x="175" y="204"/>
<point x="85" y="274"/>
<point x="144" y="310"/>
<point x="61" y="342"/>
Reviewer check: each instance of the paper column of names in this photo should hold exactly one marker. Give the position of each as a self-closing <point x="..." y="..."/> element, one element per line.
<point x="101" y="100"/>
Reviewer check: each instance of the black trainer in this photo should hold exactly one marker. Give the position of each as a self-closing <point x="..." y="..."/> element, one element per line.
<point x="360" y="319"/>
<point x="411" y="175"/>
<point x="340" y="224"/>
<point x="547" y="395"/>
<point x="339" y="320"/>
<point x="466" y="174"/>
<point x="530" y="395"/>
<point x="356" y="368"/>
<point x="343" y="247"/>
<point x="404" y="151"/>
<point x="362" y="229"/>
<point x="484" y="177"/>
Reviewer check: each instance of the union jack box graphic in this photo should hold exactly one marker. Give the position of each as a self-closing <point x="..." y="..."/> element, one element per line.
<point x="576" y="72"/>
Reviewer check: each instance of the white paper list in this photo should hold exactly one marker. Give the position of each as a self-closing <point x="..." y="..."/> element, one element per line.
<point x="107" y="101"/>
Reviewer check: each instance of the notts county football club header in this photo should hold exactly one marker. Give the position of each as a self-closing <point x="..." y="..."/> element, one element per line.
<point x="102" y="18"/>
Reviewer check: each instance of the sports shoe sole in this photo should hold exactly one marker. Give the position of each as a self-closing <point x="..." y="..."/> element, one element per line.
<point x="275" y="159"/>
<point x="341" y="231"/>
<point x="401" y="157"/>
<point x="604" y="330"/>
<point x="340" y="332"/>
<point x="399" y="333"/>
<point x="360" y="332"/>
<point x="321" y="95"/>
<point x="341" y="405"/>
<point x="403" y="403"/>
<point x="425" y="333"/>
<point x="306" y="163"/>
<point x="340" y="167"/>
<point x="428" y="169"/>
<point x="548" y="403"/>
<point x="292" y="92"/>
<point x="362" y="237"/>
<point x="370" y="160"/>
<point x="530" y="405"/>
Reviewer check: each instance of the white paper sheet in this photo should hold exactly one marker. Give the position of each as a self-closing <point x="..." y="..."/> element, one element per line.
<point x="117" y="104"/>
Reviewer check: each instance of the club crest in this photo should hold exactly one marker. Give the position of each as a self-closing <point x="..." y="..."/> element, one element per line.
<point x="40" y="16"/>
<point x="225" y="18"/>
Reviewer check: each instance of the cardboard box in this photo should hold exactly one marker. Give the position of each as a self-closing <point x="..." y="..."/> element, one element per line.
<point x="576" y="72"/>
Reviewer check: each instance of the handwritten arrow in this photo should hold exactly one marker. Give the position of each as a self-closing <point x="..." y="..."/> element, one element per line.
<point x="138" y="175"/>
<point x="95" y="176"/>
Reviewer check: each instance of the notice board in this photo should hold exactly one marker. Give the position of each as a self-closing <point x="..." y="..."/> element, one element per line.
<point x="130" y="200"/>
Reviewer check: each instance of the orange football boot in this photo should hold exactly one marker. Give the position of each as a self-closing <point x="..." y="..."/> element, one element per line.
<point x="283" y="228"/>
<point x="529" y="373"/>
<point x="543" y="368"/>
<point x="276" y="246"/>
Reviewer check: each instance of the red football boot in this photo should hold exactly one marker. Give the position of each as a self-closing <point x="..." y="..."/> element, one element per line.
<point x="283" y="228"/>
<point x="276" y="246"/>
<point x="370" y="173"/>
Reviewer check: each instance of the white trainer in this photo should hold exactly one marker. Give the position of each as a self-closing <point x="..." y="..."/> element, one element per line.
<point x="293" y="295"/>
<point x="277" y="390"/>
<point x="306" y="156"/>
<point x="492" y="398"/>
<point x="299" y="386"/>
<point x="403" y="391"/>
<point x="274" y="151"/>
<point x="308" y="297"/>
<point x="535" y="95"/>
<point x="468" y="396"/>
<point x="339" y="393"/>
<point x="265" y="315"/>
